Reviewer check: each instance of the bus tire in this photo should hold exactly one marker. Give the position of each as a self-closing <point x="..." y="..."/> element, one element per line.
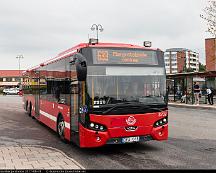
<point x="26" y="106"/>
<point x="30" y="110"/>
<point x="61" y="127"/>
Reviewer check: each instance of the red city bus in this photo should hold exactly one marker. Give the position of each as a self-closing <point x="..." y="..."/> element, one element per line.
<point x="103" y="93"/>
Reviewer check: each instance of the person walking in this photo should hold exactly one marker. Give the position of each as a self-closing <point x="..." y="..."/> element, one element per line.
<point x="196" y="93"/>
<point x="210" y="96"/>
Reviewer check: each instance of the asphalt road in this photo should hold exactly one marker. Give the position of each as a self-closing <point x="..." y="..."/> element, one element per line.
<point x="191" y="143"/>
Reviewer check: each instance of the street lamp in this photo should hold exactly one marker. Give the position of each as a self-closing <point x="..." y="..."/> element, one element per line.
<point x="97" y="27"/>
<point x="19" y="57"/>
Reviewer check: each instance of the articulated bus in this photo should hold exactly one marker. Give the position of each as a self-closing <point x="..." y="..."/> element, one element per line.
<point x="95" y="94"/>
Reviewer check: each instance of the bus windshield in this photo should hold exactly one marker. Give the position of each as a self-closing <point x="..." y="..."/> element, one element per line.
<point x="110" y="85"/>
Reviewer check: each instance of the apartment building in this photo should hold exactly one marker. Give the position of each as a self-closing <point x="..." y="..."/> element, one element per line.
<point x="178" y="60"/>
<point x="210" y="49"/>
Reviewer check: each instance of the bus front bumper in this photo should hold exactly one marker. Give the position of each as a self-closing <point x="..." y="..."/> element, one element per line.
<point x="90" y="138"/>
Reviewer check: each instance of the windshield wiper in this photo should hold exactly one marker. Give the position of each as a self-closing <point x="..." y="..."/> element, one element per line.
<point x="131" y="106"/>
<point x="157" y="105"/>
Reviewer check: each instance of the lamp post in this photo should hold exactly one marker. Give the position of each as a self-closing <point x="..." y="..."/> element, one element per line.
<point x="97" y="27"/>
<point x="19" y="57"/>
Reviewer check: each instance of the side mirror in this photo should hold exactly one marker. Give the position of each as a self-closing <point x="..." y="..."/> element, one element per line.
<point x="81" y="66"/>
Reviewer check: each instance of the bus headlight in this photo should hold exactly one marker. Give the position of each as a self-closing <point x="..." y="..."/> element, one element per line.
<point x="161" y="122"/>
<point x="101" y="127"/>
<point x="92" y="125"/>
<point x="97" y="127"/>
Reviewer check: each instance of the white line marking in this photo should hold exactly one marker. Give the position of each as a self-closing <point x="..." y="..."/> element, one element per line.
<point x="67" y="125"/>
<point x="48" y="115"/>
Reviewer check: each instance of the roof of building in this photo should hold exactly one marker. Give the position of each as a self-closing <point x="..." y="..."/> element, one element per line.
<point x="210" y="38"/>
<point x="177" y="49"/>
<point x="194" y="74"/>
<point x="10" y="73"/>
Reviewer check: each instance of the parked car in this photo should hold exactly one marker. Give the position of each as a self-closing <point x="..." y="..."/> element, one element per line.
<point x="11" y="91"/>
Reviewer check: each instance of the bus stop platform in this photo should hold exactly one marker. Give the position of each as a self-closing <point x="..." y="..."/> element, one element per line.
<point x="200" y="106"/>
<point x="35" y="157"/>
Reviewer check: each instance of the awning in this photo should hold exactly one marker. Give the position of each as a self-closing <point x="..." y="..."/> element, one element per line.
<point x="9" y="83"/>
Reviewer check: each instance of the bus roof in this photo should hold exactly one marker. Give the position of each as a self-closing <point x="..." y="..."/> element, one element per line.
<point x="75" y="49"/>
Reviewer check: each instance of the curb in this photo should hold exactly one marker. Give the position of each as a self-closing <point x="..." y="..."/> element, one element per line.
<point x="192" y="106"/>
<point x="50" y="148"/>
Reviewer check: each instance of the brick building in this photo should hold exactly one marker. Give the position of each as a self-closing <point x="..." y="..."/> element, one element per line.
<point x="10" y="78"/>
<point x="177" y="60"/>
<point x="210" y="49"/>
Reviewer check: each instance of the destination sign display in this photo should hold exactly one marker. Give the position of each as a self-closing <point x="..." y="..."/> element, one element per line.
<point x="124" y="56"/>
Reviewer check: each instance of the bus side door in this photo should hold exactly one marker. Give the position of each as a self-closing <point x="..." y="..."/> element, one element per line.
<point x="74" y="105"/>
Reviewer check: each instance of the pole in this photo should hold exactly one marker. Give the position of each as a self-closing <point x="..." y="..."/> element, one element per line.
<point x="96" y="27"/>
<point x="97" y="31"/>
<point x="19" y="57"/>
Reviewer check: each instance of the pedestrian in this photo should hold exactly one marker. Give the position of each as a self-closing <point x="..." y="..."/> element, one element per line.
<point x="196" y="93"/>
<point x="210" y="96"/>
<point x="185" y="97"/>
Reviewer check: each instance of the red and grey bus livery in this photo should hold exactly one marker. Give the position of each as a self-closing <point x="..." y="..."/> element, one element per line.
<point x="97" y="94"/>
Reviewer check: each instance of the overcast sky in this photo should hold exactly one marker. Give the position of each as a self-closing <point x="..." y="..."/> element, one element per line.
<point x="40" y="29"/>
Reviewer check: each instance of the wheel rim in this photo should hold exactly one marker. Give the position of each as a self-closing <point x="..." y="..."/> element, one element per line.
<point x="61" y="127"/>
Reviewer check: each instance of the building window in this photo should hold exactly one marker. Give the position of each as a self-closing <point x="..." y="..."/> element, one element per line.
<point x="17" y="79"/>
<point x="9" y="79"/>
<point x="1" y="79"/>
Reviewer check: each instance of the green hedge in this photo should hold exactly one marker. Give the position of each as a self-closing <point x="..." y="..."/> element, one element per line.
<point x="1" y="90"/>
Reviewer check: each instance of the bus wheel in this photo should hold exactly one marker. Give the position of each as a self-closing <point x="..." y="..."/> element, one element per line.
<point x="30" y="109"/>
<point x="26" y="106"/>
<point x="61" y="128"/>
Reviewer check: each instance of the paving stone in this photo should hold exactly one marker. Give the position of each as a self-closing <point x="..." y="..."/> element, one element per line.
<point x="19" y="160"/>
<point x="41" y="155"/>
<point x="30" y="162"/>
<point x="32" y="157"/>
<point x="70" y="167"/>
<point x="57" y="163"/>
<point x="56" y="167"/>
<point x="22" y="156"/>
<point x="2" y="165"/>
<point x="38" y="166"/>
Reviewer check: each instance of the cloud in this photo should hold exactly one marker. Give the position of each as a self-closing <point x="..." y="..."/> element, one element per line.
<point x="41" y="29"/>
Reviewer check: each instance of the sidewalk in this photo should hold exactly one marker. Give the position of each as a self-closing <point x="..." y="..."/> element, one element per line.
<point x="200" y="106"/>
<point x="35" y="157"/>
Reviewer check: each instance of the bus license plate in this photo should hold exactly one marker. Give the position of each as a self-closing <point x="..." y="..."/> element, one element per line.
<point x="130" y="139"/>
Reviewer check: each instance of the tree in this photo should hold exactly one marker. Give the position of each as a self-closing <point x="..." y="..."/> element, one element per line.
<point x="202" y="67"/>
<point x="210" y="17"/>
<point x="189" y="69"/>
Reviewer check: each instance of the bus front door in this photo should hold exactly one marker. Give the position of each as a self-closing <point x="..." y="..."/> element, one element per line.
<point x="78" y="94"/>
<point x="74" y="112"/>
